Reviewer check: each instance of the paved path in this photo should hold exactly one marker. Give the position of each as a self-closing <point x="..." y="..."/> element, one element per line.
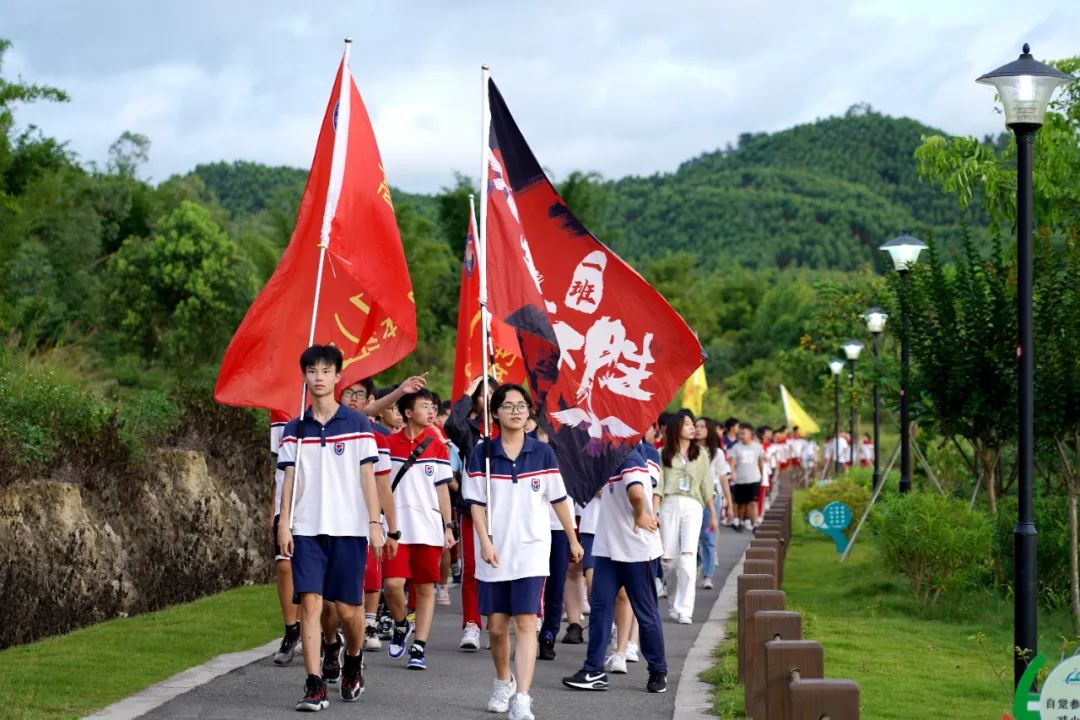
<point x="456" y="684"/>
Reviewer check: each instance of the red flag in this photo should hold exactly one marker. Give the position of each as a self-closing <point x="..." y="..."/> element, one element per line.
<point x="604" y="351"/>
<point x="365" y="301"/>
<point x="504" y="357"/>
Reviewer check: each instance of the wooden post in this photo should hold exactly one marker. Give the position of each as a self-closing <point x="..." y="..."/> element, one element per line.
<point x="770" y="555"/>
<point x="759" y="601"/>
<point x="783" y="660"/>
<point x="744" y="584"/>
<point x="817" y="699"/>
<point x="769" y="625"/>
<point x="762" y="567"/>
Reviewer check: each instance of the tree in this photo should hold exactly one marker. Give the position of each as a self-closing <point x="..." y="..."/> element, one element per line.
<point x="127" y="153"/>
<point x="179" y="294"/>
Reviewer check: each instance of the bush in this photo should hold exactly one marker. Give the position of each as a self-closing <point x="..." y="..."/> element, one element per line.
<point x="1052" y="524"/>
<point x="854" y="495"/>
<point x="931" y="540"/>
<point x="146" y="418"/>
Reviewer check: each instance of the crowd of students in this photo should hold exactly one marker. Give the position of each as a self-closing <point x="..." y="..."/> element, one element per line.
<point x="382" y="501"/>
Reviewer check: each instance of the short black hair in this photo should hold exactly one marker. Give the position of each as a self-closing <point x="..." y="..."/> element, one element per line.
<point x="384" y="391"/>
<point x="445" y="406"/>
<point x="324" y="354"/>
<point x="502" y="391"/>
<point x="435" y="399"/>
<point x="746" y="426"/>
<point x="408" y="400"/>
<point x="731" y="422"/>
<point x="367" y="384"/>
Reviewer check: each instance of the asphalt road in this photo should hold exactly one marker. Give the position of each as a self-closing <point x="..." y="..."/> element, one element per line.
<point x="456" y="684"/>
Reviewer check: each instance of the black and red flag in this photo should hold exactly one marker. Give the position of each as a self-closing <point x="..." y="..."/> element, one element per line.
<point x="603" y="350"/>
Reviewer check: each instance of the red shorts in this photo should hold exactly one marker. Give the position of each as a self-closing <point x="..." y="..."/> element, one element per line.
<point x="419" y="563"/>
<point x="372" y="573"/>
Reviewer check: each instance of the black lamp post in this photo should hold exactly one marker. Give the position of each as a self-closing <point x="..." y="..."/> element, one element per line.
<point x="851" y="349"/>
<point x="875" y="322"/>
<point x="836" y="367"/>
<point x="1024" y="86"/>
<point x="904" y="251"/>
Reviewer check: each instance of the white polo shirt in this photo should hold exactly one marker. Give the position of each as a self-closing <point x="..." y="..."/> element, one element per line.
<point x="416" y="499"/>
<point x="277" y="429"/>
<point x="328" y="498"/>
<point x="522" y="490"/>
<point x="652" y="461"/>
<point x="616" y="536"/>
<point x="589" y="515"/>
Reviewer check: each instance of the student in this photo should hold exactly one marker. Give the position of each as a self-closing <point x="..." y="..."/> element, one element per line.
<point x="465" y="428"/>
<point x="748" y="468"/>
<point x="866" y="451"/>
<point x="420" y="472"/>
<point x="511" y="567"/>
<point x="685" y="492"/>
<point x="329" y="506"/>
<point x="708" y="439"/>
<point x="358" y="396"/>
<point x="627" y="542"/>
<point x="555" y="587"/>
<point x="765" y="437"/>
<point x="290" y="641"/>
<point x="579" y="575"/>
<point x="388" y="418"/>
<point x="731" y="433"/>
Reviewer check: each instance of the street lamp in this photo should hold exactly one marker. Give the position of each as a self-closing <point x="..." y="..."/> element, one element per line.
<point x="904" y="251"/>
<point x="851" y="349"/>
<point x="836" y="367"/>
<point x="875" y="322"/>
<point x="1024" y="87"/>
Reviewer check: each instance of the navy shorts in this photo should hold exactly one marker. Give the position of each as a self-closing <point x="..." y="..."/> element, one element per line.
<point x="522" y="596"/>
<point x="587" y="562"/>
<point x="330" y="566"/>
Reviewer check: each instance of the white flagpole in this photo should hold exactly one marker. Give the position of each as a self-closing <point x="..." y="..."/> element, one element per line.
<point x="485" y="153"/>
<point x="333" y="192"/>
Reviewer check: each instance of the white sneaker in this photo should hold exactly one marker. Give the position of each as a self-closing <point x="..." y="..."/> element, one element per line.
<point x="616" y="664"/>
<point x="661" y="591"/>
<point x="632" y="652"/>
<point x="371" y="638"/>
<point x="685" y="620"/>
<point x="442" y="595"/>
<point x="470" y="639"/>
<point x="674" y="614"/>
<point x="539" y="624"/>
<point x="521" y="707"/>
<point x="501" y="694"/>
<point x="706" y="584"/>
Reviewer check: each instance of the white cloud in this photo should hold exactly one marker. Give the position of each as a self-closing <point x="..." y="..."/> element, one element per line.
<point x="617" y="87"/>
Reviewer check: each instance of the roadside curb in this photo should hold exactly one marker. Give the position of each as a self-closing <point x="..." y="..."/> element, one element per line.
<point x="160" y="693"/>
<point x="694" y="698"/>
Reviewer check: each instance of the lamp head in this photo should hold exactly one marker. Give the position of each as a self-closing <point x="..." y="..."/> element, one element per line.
<point x="904" y="251"/>
<point x="836" y="366"/>
<point x="875" y="319"/>
<point x="1025" y="86"/>
<point x="851" y="349"/>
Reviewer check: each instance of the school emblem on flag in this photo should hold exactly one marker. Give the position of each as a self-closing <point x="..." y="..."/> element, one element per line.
<point x="339" y="448"/>
<point x="536" y="484"/>
<point x="429" y="469"/>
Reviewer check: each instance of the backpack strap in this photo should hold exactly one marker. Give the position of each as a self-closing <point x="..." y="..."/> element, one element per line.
<point x="410" y="461"/>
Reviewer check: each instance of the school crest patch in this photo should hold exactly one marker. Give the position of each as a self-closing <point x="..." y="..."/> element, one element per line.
<point x="339" y="448"/>
<point x="535" y="484"/>
<point x="429" y="469"/>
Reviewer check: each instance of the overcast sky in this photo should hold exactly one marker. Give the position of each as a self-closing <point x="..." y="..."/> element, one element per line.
<point x="619" y="87"/>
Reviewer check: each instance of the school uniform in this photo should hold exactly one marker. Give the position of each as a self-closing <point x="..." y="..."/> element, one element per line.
<point x="587" y="522"/>
<point x="866" y="452"/>
<point x="277" y="429"/>
<point x="625" y="557"/>
<point x="373" y="575"/>
<point x="330" y="517"/>
<point x="522" y="490"/>
<point x="416" y="506"/>
<point x="555" y="587"/>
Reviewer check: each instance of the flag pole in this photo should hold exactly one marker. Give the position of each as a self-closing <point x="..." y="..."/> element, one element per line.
<point x="333" y="192"/>
<point x="485" y="153"/>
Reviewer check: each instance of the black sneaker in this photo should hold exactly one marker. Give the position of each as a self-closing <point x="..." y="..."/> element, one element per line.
<point x="352" y="678"/>
<point x="657" y="682"/>
<point x="290" y="645"/>
<point x="331" y="661"/>
<point x="586" y="680"/>
<point x="546" y="648"/>
<point x="574" y="635"/>
<point x="385" y="625"/>
<point x="314" y="698"/>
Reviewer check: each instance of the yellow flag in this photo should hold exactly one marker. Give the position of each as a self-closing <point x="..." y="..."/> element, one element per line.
<point x="693" y="392"/>
<point x="796" y="416"/>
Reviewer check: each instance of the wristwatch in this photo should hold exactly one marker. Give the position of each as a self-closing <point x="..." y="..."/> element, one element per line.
<point x="394" y="535"/>
<point x="448" y="526"/>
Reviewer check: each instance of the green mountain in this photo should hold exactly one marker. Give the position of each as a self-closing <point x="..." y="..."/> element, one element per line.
<point x="825" y="194"/>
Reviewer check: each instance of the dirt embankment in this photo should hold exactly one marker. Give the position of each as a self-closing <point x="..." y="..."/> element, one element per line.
<point x="81" y="547"/>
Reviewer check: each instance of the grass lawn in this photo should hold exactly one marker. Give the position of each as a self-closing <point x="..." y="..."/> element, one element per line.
<point x="75" y="674"/>
<point x="910" y="662"/>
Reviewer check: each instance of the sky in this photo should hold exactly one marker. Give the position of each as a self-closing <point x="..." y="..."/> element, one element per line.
<point x="630" y="87"/>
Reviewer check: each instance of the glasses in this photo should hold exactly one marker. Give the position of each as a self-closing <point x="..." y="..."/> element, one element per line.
<point x="515" y="408"/>
<point x="354" y="394"/>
